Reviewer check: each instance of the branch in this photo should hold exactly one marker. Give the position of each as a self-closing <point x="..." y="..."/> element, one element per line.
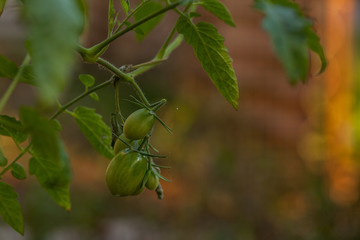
<point x="98" y="47"/>
<point x="13" y="84"/>
<point x="124" y="76"/>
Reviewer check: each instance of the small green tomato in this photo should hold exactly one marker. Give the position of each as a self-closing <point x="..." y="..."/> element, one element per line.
<point x="138" y="124"/>
<point x="125" y="173"/>
<point x="120" y="145"/>
<point x="152" y="181"/>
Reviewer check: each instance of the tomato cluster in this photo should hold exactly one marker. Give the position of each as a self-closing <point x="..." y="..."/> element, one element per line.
<point x="132" y="169"/>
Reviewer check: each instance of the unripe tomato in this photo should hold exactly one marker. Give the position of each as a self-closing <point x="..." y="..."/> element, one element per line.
<point x="125" y="173"/>
<point x="120" y="145"/>
<point x="138" y="124"/>
<point x="153" y="181"/>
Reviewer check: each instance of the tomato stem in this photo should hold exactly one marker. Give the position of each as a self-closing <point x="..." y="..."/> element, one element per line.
<point x="159" y="104"/>
<point x="13" y="84"/>
<point x="93" y="51"/>
<point x="63" y="108"/>
<point x="117" y="101"/>
<point x="25" y="150"/>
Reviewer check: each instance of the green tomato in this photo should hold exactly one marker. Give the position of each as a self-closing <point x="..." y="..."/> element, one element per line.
<point x="138" y="124"/>
<point x="125" y="174"/>
<point x="152" y="181"/>
<point x="120" y="145"/>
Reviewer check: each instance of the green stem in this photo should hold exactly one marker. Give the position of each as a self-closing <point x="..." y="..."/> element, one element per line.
<point x="151" y="63"/>
<point x="130" y="15"/>
<point x="115" y="70"/>
<point x="15" y="160"/>
<point x="63" y="108"/>
<point x="117" y="104"/>
<point x="98" y="47"/>
<point x="111" y="32"/>
<point x="140" y="93"/>
<point x="162" y="50"/>
<point x="171" y="47"/>
<point x="13" y="84"/>
<point x="159" y="105"/>
<point x="125" y="77"/>
<point x="143" y="142"/>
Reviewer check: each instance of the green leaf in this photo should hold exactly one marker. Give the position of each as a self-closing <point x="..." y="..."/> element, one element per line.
<point x="209" y="48"/>
<point x="54" y="177"/>
<point x="10" y="127"/>
<point x="3" y="159"/>
<point x="8" y="69"/>
<point x="126" y="6"/>
<point x="49" y="162"/>
<point x="95" y="130"/>
<point x="87" y="80"/>
<point x="2" y="6"/>
<point x="94" y="96"/>
<point x="219" y="10"/>
<point x="10" y="209"/>
<point x="144" y="11"/>
<point x="315" y="46"/>
<point x="82" y="6"/>
<point x="18" y="171"/>
<point x="43" y="133"/>
<point x="111" y="17"/>
<point x="194" y="14"/>
<point x="28" y="76"/>
<point x="137" y="30"/>
<point x="292" y="36"/>
<point x="54" y="28"/>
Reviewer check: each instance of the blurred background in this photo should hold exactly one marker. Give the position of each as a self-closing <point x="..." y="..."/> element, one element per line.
<point x="283" y="166"/>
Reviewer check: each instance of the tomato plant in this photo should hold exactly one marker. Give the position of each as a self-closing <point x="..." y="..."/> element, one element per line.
<point x="49" y="61"/>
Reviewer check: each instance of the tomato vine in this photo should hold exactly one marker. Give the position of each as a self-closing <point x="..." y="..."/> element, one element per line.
<point x="132" y="168"/>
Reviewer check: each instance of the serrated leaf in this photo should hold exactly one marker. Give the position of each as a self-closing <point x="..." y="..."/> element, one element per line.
<point x="3" y="159"/>
<point x="219" y="10"/>
<point x="87" y="80"/>
<point x="10" y="127"/>
<point x="144" y="11"/>
<point x="95" y="130"/>
<point x="292" y="36"/>
<point x="54" y="28"/>
<point x="18" y="171"/>
<point x="209" y="48"/>
<point x="49" y="162"/>
<point x="8" y="69"/>
<point x="126" y="6"/>
<point x="94" y="96"/>
<point x="2" y="6"/>
<point x="10" y="209"/>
